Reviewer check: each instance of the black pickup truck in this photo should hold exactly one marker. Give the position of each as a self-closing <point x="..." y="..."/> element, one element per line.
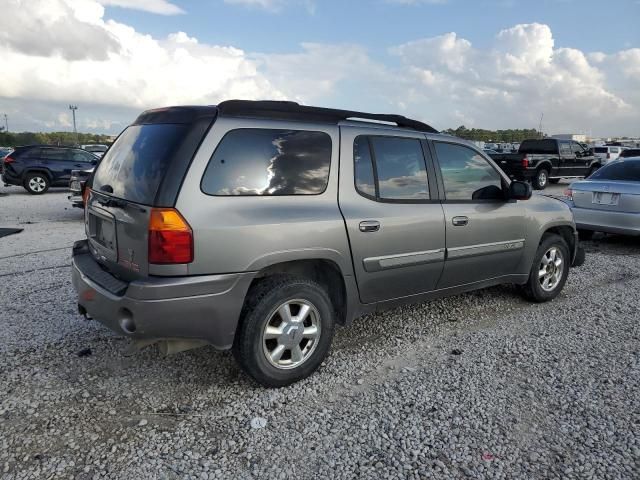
<point x="547" y="160"/>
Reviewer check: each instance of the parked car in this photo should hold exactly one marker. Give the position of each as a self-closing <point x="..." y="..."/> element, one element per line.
<point x="260" y="226"/>
<point x="607" y="153"/>
<point x="547" y="160"/>
<point x="97" y="149"/>
<point x="4" y="151"/>
<point x="38" y="167"/>
<point x="78" y="187"/>
<point x="609" y="200"/>
<point x="629" y="152"/>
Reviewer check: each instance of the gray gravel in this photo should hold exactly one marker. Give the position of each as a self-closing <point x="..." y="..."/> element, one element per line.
<point x="483" y="385"/>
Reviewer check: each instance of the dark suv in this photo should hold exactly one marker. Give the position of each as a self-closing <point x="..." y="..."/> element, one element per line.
<point x="38" y="167"/>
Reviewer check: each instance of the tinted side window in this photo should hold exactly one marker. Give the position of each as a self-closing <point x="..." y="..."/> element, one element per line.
<point x="565" y="149"/>
<point x="53" y="154"/>
<point x="363" y="167"/>
<point x="80" y="156"/>
<point x="402" y="172"/>
<point x="627" y="170"/>
<point x="253" y="161"/>
<point x="390" y="168"/>
<point x="466" y="174"/>
<point x="577" y="149"/>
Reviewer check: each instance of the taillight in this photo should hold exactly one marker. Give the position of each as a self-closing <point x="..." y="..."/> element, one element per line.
<point x="525" y="162"/>
<point x="170" y="237"/>
<point x="9" y="159"/>
<point x="568" y="193"/>
<point x="85" y="195"/>
<point x="608" y="156"/>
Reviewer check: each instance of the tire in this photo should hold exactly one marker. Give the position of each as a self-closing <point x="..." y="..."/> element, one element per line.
<point x="585" y="234"/>
<point x="554" y="181"/>
<point x="533" y="289"/>
<point x="258" y="355"/>
<point x="36" y="183"/>
<point x="541" y="180"/>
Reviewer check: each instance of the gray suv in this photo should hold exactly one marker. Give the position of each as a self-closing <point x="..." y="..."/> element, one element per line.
<point x="259" y="226"/>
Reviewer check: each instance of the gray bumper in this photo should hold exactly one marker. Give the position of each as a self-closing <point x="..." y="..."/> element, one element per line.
<point x="607" y="221"/>
<point x="199" y="307"/>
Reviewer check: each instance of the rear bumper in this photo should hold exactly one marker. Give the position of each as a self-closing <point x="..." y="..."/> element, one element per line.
<point x="607" y="221"/>
<point x="199" y="307"/>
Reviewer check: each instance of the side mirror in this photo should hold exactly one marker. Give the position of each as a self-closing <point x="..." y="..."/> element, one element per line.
<point x="520" y="191"/>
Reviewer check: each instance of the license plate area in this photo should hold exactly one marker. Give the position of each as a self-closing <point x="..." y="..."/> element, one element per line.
<point x="605" y="198"/>
<point x="102" y="232"/>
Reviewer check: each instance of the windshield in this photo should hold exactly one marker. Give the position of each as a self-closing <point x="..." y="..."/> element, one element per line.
<point x="138" y="160"/>
<point x="626" y="171"/>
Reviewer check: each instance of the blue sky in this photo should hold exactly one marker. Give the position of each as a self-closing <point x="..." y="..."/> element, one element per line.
<point x="493" y="64"/>
<point x="590" y="25"/>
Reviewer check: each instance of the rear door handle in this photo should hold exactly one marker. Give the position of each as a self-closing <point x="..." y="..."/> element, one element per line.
<point x="369" y="226"/>
<point x="460" y="221"/>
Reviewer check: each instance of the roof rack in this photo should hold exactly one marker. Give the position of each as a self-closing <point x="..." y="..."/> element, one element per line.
<point x="282" y="110"/>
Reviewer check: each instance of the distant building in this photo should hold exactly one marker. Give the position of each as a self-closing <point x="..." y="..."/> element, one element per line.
<point x="578" y="137"/>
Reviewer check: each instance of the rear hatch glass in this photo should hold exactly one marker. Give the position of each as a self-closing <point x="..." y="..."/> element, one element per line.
<point x="135" y="165"/>
<point x="600" y="150"/>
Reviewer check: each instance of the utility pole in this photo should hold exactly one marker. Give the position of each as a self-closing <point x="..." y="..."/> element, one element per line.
<point x="6" y="123"/>
<point x="73" y="109"/>
<point x="540" y="126"/>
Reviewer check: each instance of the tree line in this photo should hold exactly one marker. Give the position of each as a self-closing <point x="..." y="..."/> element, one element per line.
<point x="496" y="136"/>
<point x="49" y="138"/>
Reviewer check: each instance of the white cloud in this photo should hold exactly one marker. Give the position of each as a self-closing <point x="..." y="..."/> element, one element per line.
<point x="130" y="69"/>
<point x="161" y="7"/>
<point x="274" y="5"/>
<point x="113" y="72"/>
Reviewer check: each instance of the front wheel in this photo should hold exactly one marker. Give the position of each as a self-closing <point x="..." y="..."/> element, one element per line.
<point x="541" y="180"/>
<point x="549" y="270"/>
<point x="593" y="170"/>
<point x="286" y="330"/>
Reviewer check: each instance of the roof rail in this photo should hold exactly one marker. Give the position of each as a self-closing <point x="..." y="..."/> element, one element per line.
<point x="282" y="110"/>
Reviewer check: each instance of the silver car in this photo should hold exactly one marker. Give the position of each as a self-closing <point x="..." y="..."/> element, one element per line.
<point x="609" y="200"/>
<point x="260" y="226"/>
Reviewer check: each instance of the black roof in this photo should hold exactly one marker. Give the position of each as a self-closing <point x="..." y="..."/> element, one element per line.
<point x="271" y="109"/>
<point x="281" y="110"/>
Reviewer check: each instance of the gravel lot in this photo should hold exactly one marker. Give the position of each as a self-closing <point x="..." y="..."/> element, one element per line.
<point x="482" y="385"/>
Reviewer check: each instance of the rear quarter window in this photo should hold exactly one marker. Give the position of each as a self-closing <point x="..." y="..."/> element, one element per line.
<point x="263" y="162"/>
<point x="624" y="171"/>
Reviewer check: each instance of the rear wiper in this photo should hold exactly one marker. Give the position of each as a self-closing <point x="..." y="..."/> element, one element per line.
<point x="115" y="203"/>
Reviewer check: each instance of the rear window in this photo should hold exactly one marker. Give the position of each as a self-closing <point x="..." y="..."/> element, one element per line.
<point x="138" y="160"/>
<point x="539" y="146"/>
<point x="600" y="150"/>
<point x="630" y="152"/>
<point x="256" y="161"/>
<point x="626" y="170"/>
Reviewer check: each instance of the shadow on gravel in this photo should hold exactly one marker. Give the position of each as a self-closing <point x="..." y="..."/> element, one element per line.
<point x="610" y="244"/>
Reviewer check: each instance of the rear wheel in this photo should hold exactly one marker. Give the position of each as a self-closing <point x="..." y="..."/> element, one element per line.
<point x="36" y="183"/>
<point x="541" y="180"/>
<point x="286" y="330"/>
<point x="549" y="270"/>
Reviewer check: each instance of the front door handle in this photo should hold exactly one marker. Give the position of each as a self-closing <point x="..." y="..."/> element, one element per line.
<point x="369" y="226"/>
<point x="460" y="221"/>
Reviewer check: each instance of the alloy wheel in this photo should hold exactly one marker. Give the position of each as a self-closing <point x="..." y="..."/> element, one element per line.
<point x="291" y="334"/>
<point x="551" y="269"/>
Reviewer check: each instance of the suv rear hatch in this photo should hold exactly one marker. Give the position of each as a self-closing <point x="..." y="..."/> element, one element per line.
<point x="141" y="173"/>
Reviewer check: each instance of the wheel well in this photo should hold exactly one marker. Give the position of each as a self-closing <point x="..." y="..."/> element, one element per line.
<point x="324" y="272"/>
<point x="565" y="232"/>
<point x="36" y="170"/>
<point x="544" y="166"/>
